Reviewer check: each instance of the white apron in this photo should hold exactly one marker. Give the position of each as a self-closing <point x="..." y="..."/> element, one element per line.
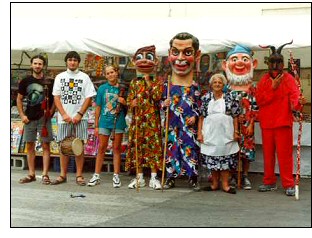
<point x="218" y="131"/>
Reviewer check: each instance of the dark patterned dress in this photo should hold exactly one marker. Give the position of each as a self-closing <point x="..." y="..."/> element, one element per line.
<point x="183" y="150"/>
<point x="250" y="109"/>
<point x="226" y="162"/>
<point x="148" y="133"/>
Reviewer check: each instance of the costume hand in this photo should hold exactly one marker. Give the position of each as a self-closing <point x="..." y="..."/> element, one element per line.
<point x="276" y="82"/>
<point x="190" y="120"/>
<point x="302" y="100"/>
<point x="134" y="103"/>
<point x="167" y="102"/>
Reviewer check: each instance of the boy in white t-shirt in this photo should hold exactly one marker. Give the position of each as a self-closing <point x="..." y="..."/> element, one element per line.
<point x="73" y="91"/>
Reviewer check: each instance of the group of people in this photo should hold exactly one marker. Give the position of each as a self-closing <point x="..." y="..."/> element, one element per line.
<point x="215" y="130"/>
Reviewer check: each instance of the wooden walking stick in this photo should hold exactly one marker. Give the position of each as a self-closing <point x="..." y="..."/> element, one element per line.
<point x="166" y="136"/>
<point x="136" y="146"/>
<point x="295" y="72"/>
<point x="239" y="169"/>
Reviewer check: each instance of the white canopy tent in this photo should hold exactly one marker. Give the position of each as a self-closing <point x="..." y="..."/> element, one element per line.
<point x="120" y="37"/>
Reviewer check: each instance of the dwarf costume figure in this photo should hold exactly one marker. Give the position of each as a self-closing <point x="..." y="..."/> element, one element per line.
<point x="239" y="66"/>
<point x="184" y="103"/>
<point x="277" y="95"/>
<point x="145" y="140"/>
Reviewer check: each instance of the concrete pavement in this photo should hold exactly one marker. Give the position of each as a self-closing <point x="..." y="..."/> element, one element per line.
<point x="37" y="205"/>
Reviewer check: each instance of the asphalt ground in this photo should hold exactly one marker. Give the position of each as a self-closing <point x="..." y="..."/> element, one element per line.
<point x="38" y="205"/>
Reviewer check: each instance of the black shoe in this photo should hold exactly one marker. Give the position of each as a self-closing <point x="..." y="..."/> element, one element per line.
<point x="170" y="183"/>
<point x="231" y="190"/>
<point x="193" y="181"/>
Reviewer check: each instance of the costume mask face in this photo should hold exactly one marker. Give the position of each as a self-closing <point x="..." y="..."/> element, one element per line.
<point x="145" y="60"/>
<point x="182" y="56"/>
<point x="276" y="60"/>
<point x="239" y="65"/>
<point x="276" y="65"/>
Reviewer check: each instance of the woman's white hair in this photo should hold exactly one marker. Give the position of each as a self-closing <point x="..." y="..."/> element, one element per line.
<point x="217" y="76"/>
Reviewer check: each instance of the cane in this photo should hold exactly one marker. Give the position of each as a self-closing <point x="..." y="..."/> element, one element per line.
<point x="239" y="169"/>
<point x="166" y="136"/>
<point x="136" y="146"/>
<point x="297" y="180"/>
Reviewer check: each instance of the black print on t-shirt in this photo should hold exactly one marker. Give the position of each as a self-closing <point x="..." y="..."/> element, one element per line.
<point x="71" y="90"/>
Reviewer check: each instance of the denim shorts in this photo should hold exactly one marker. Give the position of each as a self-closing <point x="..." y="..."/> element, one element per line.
<point x="35" y="126"/>
<point x="108" y="131"/>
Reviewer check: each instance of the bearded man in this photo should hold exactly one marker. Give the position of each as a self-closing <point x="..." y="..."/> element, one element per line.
<point x="239" y="66"/>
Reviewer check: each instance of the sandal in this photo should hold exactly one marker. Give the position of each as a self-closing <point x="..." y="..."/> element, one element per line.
<point x="59" y="180"/>
<point x="29" y="178"/>
<point x="45" y="179"/>
<point x="81" y="182"/>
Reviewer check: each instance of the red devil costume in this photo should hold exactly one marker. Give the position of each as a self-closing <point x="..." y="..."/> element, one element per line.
<point x="277" y="96"/>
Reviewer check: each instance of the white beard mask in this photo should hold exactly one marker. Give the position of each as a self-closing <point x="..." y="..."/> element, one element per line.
<point x="239" y="79"/>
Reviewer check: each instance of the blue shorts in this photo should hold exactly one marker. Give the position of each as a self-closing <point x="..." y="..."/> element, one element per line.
<point x="108" y="131"/>
<point x="33" y="127"/>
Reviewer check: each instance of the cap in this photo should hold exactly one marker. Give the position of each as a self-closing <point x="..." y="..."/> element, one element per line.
<point x="239" y="49"/>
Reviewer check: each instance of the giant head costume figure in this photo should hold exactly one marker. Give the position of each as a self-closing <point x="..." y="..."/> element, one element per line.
<point x="276" y="60"/>
<point x="145" y="61"/>
<point x="183" y="53"/>
<point x="239" y="65"/>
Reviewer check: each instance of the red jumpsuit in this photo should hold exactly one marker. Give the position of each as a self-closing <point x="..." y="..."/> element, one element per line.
<point x="276" y="121"/>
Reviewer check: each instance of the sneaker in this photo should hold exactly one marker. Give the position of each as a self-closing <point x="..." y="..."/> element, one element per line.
<point x="246" y="183"/>
<point x="170" y="183"/>
<point x="290" y="191"/>
<point x="116" y="181"/>
<point x="155" y="184"/>
<point x="133" y="183"/>
<point x="95" y="180"/>
<point x="267" y="187"/>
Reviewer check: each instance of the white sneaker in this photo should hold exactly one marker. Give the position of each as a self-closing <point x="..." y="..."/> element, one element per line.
<point x="94" y="180"/>
<point x="155" y="184"/>
<point x="133" y="183"/>
<point x="116" y="181"/>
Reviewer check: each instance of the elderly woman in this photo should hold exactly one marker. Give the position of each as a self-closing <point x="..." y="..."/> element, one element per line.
<point x="218" y="133"/>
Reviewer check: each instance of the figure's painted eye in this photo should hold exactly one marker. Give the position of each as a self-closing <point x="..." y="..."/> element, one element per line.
<point x="139" y="57"/>
<point x="150" y="56"/>
<point x="188" y="52"/>
<point x="175" y="52"/>
<point x="245" y="59"/>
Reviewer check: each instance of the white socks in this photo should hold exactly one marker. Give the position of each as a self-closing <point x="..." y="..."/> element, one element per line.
<point x="140" y="176"/>
<point x="153" y="175"/>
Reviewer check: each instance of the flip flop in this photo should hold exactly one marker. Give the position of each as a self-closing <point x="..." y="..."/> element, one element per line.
<point x="45" y="179"/>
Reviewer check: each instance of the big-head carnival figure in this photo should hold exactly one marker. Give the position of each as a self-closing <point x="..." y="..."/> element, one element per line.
<point x="145" y="142"/>
<point x="183" y="100"/>
<point x="239" y="66"/>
